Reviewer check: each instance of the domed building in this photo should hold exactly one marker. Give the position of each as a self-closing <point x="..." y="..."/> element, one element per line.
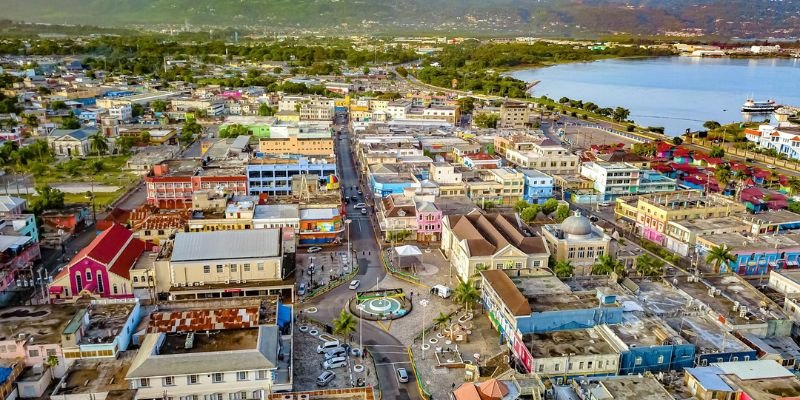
<point x="578" y="241"/>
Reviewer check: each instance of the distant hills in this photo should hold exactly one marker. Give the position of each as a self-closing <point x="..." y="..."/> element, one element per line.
<point x="722" y="18"/>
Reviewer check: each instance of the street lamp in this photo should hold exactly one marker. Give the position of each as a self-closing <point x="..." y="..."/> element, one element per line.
<point x="349" y="248"/>
<point x="424" y="304"/>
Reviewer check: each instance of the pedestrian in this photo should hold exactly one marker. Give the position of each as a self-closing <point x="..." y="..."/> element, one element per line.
<point x="453" y="386"/>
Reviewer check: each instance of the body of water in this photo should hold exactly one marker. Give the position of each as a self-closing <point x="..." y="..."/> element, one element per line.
<point x="673" y="92"/>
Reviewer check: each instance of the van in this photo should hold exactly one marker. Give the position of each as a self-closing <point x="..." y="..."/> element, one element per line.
<point x="336" y="362"/>
<point x="442" y="291"/>
<point x="327" y="346"/>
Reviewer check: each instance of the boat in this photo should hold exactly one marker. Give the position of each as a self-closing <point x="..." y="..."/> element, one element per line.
<point x="753" y="106"/>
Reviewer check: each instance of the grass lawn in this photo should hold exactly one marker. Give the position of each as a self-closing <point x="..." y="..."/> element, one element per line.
<point x="82" y="170"/>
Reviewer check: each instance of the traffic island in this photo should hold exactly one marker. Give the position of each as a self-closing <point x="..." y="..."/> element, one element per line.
<point x="381" y="305"/>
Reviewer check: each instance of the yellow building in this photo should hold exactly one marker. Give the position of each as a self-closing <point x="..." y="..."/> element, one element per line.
<point x="288" y="116"/>
<point x="502" y="185"/>
<point x="304" y="143"/>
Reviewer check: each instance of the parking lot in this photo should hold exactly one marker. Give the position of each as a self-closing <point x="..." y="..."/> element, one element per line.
<point x="308" y="364"/>
<point x="321" y="267"/>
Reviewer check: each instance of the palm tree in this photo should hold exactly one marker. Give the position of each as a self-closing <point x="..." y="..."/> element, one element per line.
<point x="794" y="184"/>
<point x="98" y="143"/>
<point x="723" y="175"/>
<point x="719" y="256"/>
<point x="466" y="293"/>
<point x="563" y="269"/>
<point x="441" y="319"/>
<point x="649" y="266"/>
<point x="606" y="265"/>
<point x="344" y="324"/>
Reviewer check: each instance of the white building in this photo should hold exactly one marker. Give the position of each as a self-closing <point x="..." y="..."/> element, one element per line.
<point x="398" y="109"/>
<point x="276" y="216"/>
<point x="547" y="156"/>
<point x="612" y="179"/>
<point x="784" y="139"/>
<point x="785" y="281"/>
<point x="227" y="365"/>
<point x="122" y="112"/>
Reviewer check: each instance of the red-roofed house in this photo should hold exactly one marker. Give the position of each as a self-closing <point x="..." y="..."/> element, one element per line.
<point x="101" y="269"/>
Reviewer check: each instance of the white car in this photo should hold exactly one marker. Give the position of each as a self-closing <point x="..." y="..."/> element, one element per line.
<point x="355" y="284"/>
<point x="360" y="206"/>
<point x="363" y="211"/>
<point x="314" y="250"/>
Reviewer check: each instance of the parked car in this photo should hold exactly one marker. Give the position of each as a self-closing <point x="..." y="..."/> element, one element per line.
<point x="333" y="363"/>
<point x="355" y="284"/>
<point x="402" y="375"/>
<point x="301" y="289"/>
<point x="314" y="250"/>
<point x="604" y="204"/>
<point x="336" y="352"/>
<point x="330" y="345"/>
<point x="325" y="378"/>
<point x="363" y="211"/>
<point x="360" y="206"/>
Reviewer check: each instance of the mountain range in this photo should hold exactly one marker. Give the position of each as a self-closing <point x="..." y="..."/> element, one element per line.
<point x="719" y="18"/>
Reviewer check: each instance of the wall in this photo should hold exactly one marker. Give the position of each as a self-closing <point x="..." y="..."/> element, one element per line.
<point x="190" y="272"/>
<point x="725" y="357"/>
<point x="158" y="388"/>
<point x="657" y="358"/>
<point x="549" y="321"/>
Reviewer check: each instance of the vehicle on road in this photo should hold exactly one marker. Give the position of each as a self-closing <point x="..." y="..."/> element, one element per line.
<point x="604" y="204"/>
<point x="360" y="206"/>
<point x="441" y="291"/>
<point x="330" y="345"/>
<point x="325" y="378"/>
<point x="402" y="375"/>
<point x="360" y="192"/>
<point x="355" y="284"/>
<point x="301" y="289"/>
<point x="336" y="362"/>
<point x="363" y="211"/>
<point x="312" y="250"/>
<point x="771" y="166"/>
<point x="593" y="218"/>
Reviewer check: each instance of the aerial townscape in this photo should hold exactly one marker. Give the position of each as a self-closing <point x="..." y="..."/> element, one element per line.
<point x="469" y="200"/>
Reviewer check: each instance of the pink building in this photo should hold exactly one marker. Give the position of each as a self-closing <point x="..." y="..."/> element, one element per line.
<point x="429" y="222"/>
<point x="101" y="269"/>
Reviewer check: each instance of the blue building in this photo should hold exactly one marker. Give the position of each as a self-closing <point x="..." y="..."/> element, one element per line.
<point x="567" y="311"/>
<point x="648" y="344"/>
<point x="754" y="255"/>
<point x="538" y="186"/>
<point x="712" y="341"/>
<point x="273" y="176"/>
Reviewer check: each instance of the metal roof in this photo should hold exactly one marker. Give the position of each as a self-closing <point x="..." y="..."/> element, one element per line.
<point x="254" y="243"/>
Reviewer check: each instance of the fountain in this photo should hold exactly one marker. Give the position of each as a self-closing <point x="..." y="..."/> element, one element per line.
<point x="381" y="304"/>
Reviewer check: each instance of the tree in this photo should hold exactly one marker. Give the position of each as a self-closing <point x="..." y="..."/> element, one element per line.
<point x="717" y="152"/>
<point x="606" y="265"/>
<point x="124" y="144"/>
<point x="365" y="70"/>
<point x="711" y="125"/>
<point x="563" y="100"/>
<point x="191" y="127"/>
<point x="97" y="166"/>
<point x="649" y="266"/>
<point x="32" y="120"/>
<point x="562" y="213"/>
<point x="402" y="71"/>
<point x="48" y="199"/>
<point x="137" y="110"/>
<point x="563" y="269"/>
<point x="264" y="110"/>
<point x="441" y="320"/>
<point x="234" y="130"/>
<point x="549" y="206"/>
<point x="719" y="256"/>
<point x="620" y="114"/>
<point x="70" y="122"/>
<point x="467" y="104"/>
<point x="466" y="293"/>
<point x="58" y="105"/>
<point x="277" y="70"/>
<point x="677" y="141"/>
<point x="530" y="213"/>
<point x="98" y="143"/>
<point x="521" y="205"/>
<point x="723" y="175"/>
<point x="158" y="105"/>
<point x="486" y="120"/>
<point x="630" y="128"/>
<point x="344" y="325"/>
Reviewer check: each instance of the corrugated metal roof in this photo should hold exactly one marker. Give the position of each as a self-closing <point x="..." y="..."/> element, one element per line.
<point x="755" y="369"/>
<point x="196" y="246"/>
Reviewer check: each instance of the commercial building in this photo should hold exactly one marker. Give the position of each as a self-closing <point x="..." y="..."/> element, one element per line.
<point x="503" y="186"/>
<point x="612" y="180"/>
<point x="276" y="216"/>
<point x="565" y="354"/>
<point x="754" y="255"/>
<point x="320" y="224"/>
<point x="515" y="115"/>
<point x="577" y="241"/>
<point x="477" y="242"/>
<point x="272" y="175"/>
<point x="681" y="236"/>
<point x="299" y="141"/>
<point x="171" y="184"/>
<point x="547" y="156"/>
<point x="753" y="379"/>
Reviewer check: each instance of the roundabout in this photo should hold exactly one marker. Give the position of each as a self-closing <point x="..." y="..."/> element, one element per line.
<point x="377" y="305"/>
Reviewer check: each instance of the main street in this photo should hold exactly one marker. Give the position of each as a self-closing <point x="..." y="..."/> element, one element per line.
<point x="387" y="351"/>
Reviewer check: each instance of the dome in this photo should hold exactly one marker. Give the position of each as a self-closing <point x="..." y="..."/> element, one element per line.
<point x="577" y="225"/>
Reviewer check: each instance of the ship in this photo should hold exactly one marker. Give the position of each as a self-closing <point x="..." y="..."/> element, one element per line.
<point x="753" y="106"/>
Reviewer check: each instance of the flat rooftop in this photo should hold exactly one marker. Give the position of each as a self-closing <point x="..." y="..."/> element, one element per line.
<point x="768" y="388"/>
<point x="741" y="242"/>
<point x="642" y="331"/>
<point x="738" y="289"/>
<point x="635" y="388"/>
<point x="711" y="224"/>
<point x="709" y="336"/>
<point x="44" y="322"/>
<point x="661" y="298"/>
<point x="106" y="321"/>
<point x="194" y="167"/>
<point x="720" y="303"/>
<point x="562" y="343"/>
<point x="685" y="199"/>
<point x="782" y="345"/>
<point x="219" y="245"/>
<point x="97" y="375"/>
<point x="276" y="211"/>
<point x="226" y="340"/>
<point x="566" y="301"/>
<point x="540" y="285"/>
<point x="213" y="314"/>
<point x="773" y="217"/>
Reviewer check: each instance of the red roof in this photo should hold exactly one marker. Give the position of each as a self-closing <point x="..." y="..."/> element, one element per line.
<point x="116" y="248"/>
<point x="754" y="132"/>
<point x="680" y="152"/>
<point x="663" y="147"/>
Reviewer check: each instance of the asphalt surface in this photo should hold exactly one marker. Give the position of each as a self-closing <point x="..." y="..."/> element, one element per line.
<point x="387" y="351"/>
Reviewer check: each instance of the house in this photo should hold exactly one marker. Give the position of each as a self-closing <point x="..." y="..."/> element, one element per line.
<point x="755" y="379"/>
<point x="101" y="269"/>
<point x="429" y="221"/>
<point x="785" y="139"/>
<point x="577" y="241"/>
<point x="538" y="186"/>
<point x="397" y="216"/>
<point x="475" y="242"/>
<point x="10" y="205"/>
<point x="66" y="142"/>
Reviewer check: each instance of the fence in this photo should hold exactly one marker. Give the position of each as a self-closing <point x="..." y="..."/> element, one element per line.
<point x="424" y="393"/>
<point x="333" y="284"/>
<point x="411" y="278"/>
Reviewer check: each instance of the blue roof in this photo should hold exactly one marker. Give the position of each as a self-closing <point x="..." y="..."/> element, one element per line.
<point x="4" y="374"/>
<point x="709" y="378"/>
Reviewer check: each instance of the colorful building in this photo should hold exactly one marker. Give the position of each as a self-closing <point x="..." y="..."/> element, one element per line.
<point x="170" y="185"/>
<point x="320" y="226"/>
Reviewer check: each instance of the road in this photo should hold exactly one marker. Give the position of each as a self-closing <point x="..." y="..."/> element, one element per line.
<point x="388" y="352"/>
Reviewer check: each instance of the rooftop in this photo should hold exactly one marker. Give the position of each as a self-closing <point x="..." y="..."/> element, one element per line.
<point x="711" y="224"/>
<point x="741" y="291"/>
<point x="276" y="211"/>
<point x="635" y="388"/>
<point x="563" y="343"/>
<point x="641" y="330"/>
<point x="224" y="340"/>
<point x="216" y="314"/>
<point x="43" y="322"/>
<point x="708" y="335"/>
<point x="721" y="303"/>
<point x="773" y="217"/>
<point x="660" y="298"/>
<point x="684" y="199"/>
<point x="767" y="388"/>
<point x="97" y="375"/>
<point x="741" y="242"/>
<point x="566" y="301"/>
<point x="106" y="321"/>
<point x="194" y="167"/>
<point x="198" y="246"/>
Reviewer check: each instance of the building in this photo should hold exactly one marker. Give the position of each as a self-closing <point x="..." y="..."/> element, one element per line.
<point x="755" y="379"/>
<point x="476" y="242"/>
<point x="538" y="186"/>
<point x="172" y="184"/>
<point x="562" y="355"/>
<point x="320" y="225"/>
<point x="651" y="213"/>
<point x="397" y="217"/>
<point x="448" y="178"/>
<point x="388" y="179"/>
<point x="612" y="180"/>
<point x="273" y="175"/>
<point x="577" y="241"/>
<point x="429" y="221"/>
<point x="66" y="142"/>
<point x="515" y="115"/>
<point x="481" y="161"/>
<point x="548" y="157"/>
<point x="299" y="141"/>
<point x="783" y="139"/>
<point x="754" y="255"/>
<point x="101" y="269"/>
<point x="786" y="282"/>
<point x="502" y="186"/>
<point x="276" y="216"/>
<point x="617" y="388"/>
<point x="681" y="236"/>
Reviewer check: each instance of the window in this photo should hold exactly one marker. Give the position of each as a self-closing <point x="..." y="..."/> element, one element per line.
<point x="88" y="276"/>
<point x="499" y="265"/>
<point x="100" y="287"/>
<point x="241" y="376"/>
<point x="589" y="365"/>
<point x="580" y="365"/>
<point x="234" y="268"/>
<point x="191" y="380"/>
<point x="219" y="268"/>
<point x="206" y="269"/>
<point x="261" y="374"/>
<point x="638" y="361"/>
<point x="33" y="353"/>
<point x="144" y="382"/>
<point x="660" y="359"/>
<point x="135" y="279"/>
<point x="246" y="267"/>
<point x="747" y="358"/>
<point x="541" y="367"/>
<point x="51" y="352"/>
<point x="537" y="263"/>
<point x="217" y="377"/>
<point x="735" y="358"/>
<point x="558" y="367"/>
<point x="115" y="289"/>
<point x="169" y="381"/>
